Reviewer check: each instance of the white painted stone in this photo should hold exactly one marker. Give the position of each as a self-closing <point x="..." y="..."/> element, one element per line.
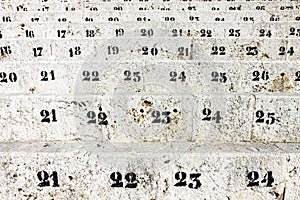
<point x="84" y="169"/>
<point x="284" y="128"/>
<point x="115" y="107"/>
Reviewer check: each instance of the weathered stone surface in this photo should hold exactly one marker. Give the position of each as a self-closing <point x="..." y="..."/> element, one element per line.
<point x="149" y="99"/>
<point x="84" y="170"/>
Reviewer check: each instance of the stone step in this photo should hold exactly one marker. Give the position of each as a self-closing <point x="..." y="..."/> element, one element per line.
<point x="48" y="26"/>
<point x="103" y="78"/>
<point x="148" y="116"/>
<point x="282" y="6"/>
<point x="93" y="170"/>
<point x="145" y="49"/>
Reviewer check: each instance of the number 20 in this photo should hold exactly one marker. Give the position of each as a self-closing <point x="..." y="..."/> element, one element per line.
<point x="12" y="77"/>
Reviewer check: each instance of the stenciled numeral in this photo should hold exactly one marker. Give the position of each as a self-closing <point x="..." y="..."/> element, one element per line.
<point x="260" y="115"/>
<point x="48" y="116"/>
<point x="205" y="33"/>
<point x="182" y="51"/>
<point x="153" y="51"/>
<point x="46" y="76"/>
<point x="6" y="50"/>
<point x="37" y="51"/>
<point x="207" y="112"/>
<point x="145" y="32"/>
<point x="257" y="76"/>
<point x="180" y="177"/>
<point x="253" y="178"/>
<point x="219" y="77"/>
<point x="282" y="51"/>
<point x="218" y="50"/>
<point x="90" y="76"/>
<point x="251" y="51"/>
<point x="234" y="33"/>
<point x="176" y="32"/>
<point x="102" y="117"/>
<point x="135" y="76"/>
<point x="61" y="33"/>
<point x="157" y="115"/>
<point x="295" y="31"/>
<point x="116" y="177"/>
<point x="76" y="51"/>
<point x="265" y="33"/>
<point x="44" y="177"/>
<point x="297" y="74"/>
<point x="12" y="77"/>
<point x="174" y="76"/>
<point x="113" y="50"/>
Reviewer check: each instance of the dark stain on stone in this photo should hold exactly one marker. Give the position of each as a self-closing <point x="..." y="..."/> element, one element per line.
<point x="166" y="185"/>
<point x="146" y="103"/>
<point x="265" y="55"/>
<point x="281" y="83"/>
<point x="32" y="90"/>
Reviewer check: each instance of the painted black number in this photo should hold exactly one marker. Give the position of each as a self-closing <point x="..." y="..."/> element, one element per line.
<point x="76" y="51"/>
<point x="90" y="76"/>
<point x="48" y="116"/>
<point x="207" y="113"/>
<point x="295" y="31"/>
<point x="182" y="51"/>
<point x="145" y="32"/>
<point x="116" y="177"/>
<point x="218" y="77"/>
<point x="251" y="51"/>
<point x="12" y="77"/>
<point x="37" y="51"/>
<point x="257" y="76"/>
<point x="131" y="179"/>
<point x="102" y="117"/>
<point x="218" y="50"/>
<point x="45" y="75"/>
<point x="297" y="74"/>
<point x="43" y="176"/>
<point x="205" y="33"/>
<point x="135" y="76"/>
<point x="181" y="180"/>
<point x="157" y="115"/>
<point x="282" y="51"/>
<point x="261" y="119"/>
<point x="174" y="76"/>
<point x="265" y="33"/>
<point x="254" y="179"/>
<point x="234" y="33"/>
<point x="153" y="51"/>
<point x="113" y="50"/>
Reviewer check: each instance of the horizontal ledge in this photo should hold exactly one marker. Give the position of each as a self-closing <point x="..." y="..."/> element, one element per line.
<point x="96" y="147"/>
